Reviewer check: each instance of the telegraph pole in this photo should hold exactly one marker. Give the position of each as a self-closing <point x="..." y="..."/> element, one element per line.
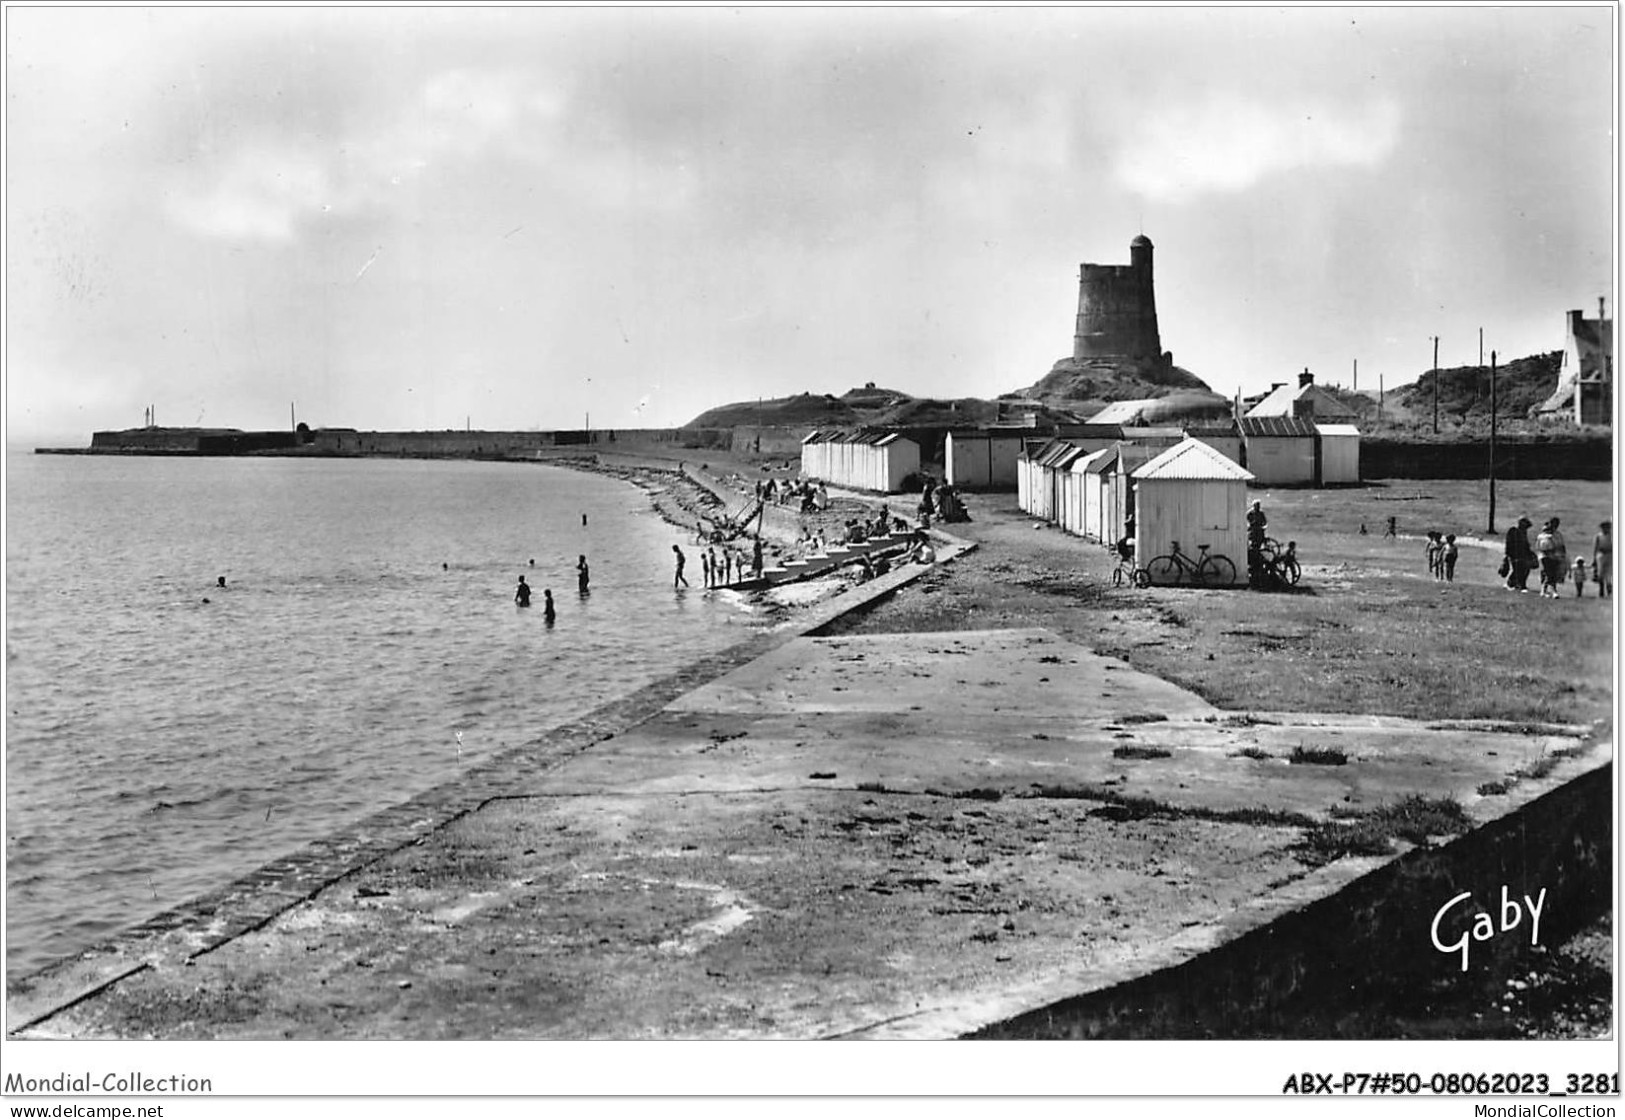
<point x="1492" y="441"/>
<point x="1435" y="384"/>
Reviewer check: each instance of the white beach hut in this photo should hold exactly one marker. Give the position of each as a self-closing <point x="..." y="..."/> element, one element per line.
<point x="1279" y="450"/>
<point x="983" y="459"/>
<point x="1194" y="495"/>
<point x="1339" y="454"/>
<point x="1095" y="469"/>
<point x="860" y="460"/>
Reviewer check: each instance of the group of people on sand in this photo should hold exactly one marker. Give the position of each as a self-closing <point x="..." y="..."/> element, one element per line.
<point x="522" y="593"/>
<point x="857" y="531"/>
<point x="811" y="498"/>
<point x="722" y="565"/>
<point x="1548" y="554"/>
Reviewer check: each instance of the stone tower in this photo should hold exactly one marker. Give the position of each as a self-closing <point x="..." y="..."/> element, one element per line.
<point x="1117" y="309"/>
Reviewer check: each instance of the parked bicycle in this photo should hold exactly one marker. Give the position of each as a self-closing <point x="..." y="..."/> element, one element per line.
<point x="1174" y="568"/>
<point x="1278" y="566"/>
<point x="1126" y="571"/>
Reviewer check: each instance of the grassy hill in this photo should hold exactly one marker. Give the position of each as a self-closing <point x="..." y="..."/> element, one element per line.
<point x="1464" y="391"/>
<point x="867" y="407"/>
<point x="805" y="409"/>
<point x="1073" y="391"/>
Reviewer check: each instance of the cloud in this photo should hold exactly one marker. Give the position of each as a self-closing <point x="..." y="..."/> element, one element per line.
<point x="1229" y="143"/>
<point x="258" y="194"/>
<point x="273" y="182"/>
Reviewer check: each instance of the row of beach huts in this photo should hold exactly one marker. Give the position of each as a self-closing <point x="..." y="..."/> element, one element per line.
<point x="1106" y="482"/>
<point x="1278" y="451"/>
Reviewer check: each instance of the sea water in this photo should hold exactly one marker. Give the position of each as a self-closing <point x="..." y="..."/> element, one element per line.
<point x="165" y="735"/>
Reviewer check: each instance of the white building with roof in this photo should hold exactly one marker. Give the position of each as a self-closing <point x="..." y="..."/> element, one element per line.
<point x="985" y="458"/>
<point x="1585" y="380"/>
<point x="1338" y="460"/>
<point x="1278" y="450"/>
<point x="1194" y="495"/>
<point x="1305" y="401"/>
<point x="876" y="461"/>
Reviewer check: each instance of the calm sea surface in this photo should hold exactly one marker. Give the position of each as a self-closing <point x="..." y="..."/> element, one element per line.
<point x="165" y="736"/>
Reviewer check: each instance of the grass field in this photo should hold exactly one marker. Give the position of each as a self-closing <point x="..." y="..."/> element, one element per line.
<point x="1371" y="631"/>
<point x="1366" y="631"/>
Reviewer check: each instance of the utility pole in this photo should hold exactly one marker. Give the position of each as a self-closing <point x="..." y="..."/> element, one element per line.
<point x="1356" y="375"/>
<point x="1435" y="384"/>
<point x="1480" y="347"/>
<point x="1492" y="441"/>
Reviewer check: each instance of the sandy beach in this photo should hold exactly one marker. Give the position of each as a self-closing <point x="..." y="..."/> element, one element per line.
<point x="890" y="818"/>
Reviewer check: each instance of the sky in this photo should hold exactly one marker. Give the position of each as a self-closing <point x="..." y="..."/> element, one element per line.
<point x="538" y="218"/>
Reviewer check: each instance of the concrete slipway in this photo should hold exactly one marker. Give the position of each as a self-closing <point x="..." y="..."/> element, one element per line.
<point x="802" y="839"/>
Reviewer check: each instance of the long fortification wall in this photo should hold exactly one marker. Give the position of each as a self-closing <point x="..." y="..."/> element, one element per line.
<point x="454" y="444"/>
<point x="147" y="441"/>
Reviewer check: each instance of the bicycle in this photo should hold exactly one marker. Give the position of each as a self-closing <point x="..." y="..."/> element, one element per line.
<point x="1126" y="570"/>
<point x="1280" y="564"/>
<point x="1171" y="569"/>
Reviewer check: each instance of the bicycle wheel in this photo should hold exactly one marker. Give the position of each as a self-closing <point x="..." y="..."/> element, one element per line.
<point x="1164" y="571"/>
<point x="1289" y="570"/>
<point x="1216" y="571"/>
<point x="1117" y="576"/>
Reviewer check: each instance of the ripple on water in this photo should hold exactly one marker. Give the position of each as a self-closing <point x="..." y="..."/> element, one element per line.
<point x="158" y="746"/>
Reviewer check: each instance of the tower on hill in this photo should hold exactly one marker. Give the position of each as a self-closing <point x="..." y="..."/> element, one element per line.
<point x="1117" y="309"/>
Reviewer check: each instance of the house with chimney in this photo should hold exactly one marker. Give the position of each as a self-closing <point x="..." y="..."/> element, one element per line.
<point x="1306" y="401"/>
<point x="1585" y="380"/>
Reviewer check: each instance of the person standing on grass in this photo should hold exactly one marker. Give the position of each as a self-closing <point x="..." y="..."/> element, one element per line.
<point x="1257" y="527"/>
<point x="1579" y="574"/>
<point x="1560" y="558"/>
<point x="1519" y="556"/>
<point x="1451" y="554"/>
<point x="1553" y="557"/>
<point x="1435" y="554"/>
<point x="1602" y="560"/>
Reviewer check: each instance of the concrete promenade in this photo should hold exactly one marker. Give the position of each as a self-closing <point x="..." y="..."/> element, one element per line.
<point x="913" y="835"/>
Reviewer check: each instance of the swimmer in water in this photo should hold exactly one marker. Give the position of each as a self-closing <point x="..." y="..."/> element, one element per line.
<point x="521" y="594"/>
<point x="549" y="615"/>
